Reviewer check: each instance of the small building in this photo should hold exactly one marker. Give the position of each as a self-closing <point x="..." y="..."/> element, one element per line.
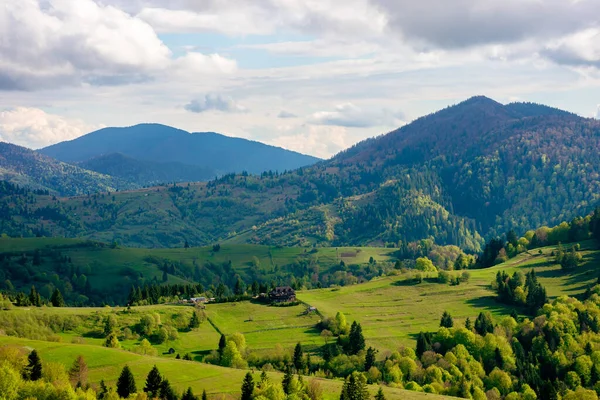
<point x="198" y="300"/>
<point x="282" y="294"/>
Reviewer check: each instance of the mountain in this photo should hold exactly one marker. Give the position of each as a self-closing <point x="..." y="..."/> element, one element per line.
<point x="26" y="167"/>
<point x="459" y="176"/>
<point x="146" y="173"/>
<point x="164" y="144"/>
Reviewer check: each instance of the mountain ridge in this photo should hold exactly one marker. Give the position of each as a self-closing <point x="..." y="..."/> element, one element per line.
<point x="162" y="143"/>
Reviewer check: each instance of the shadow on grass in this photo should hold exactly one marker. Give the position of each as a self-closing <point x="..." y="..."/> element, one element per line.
<point x="489" y="303"/>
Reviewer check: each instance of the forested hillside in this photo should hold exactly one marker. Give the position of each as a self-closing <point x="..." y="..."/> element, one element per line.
<point x="26" y="167"/>
<point x="459" y="176"/>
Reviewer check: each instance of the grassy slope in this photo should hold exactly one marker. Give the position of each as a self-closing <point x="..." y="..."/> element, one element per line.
<point x="107" y="264"/>
<point x="393" y="312"/>
<point x="106" y="364"/>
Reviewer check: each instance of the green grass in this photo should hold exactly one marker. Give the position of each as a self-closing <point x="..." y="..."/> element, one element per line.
<point x="392" y="311"/>
<point x="106" y="364"/>
<point x="264" y="326"/>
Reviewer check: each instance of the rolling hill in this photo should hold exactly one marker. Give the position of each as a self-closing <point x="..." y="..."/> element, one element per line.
<point x="163" y="144"/>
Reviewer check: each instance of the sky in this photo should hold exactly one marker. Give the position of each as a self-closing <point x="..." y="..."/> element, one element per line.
<point x="314" y="76"/>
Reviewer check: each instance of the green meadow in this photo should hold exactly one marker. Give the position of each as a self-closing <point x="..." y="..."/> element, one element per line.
<point x="106" y="364"/>
<point x="392" y="310"/>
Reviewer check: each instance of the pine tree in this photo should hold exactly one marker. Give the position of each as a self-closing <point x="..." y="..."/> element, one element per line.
<point x="189" y="395"/>
<point x="78" y="373"/>
<point x="370" y="358"/>
<point x="355" y="387"/>
<point x="380" y="395"/>
<point x="298" y="357"/>
<point x="356" y="338"/>
<point x="167" y="392"/>
<point x="126" y="383"/>
<point x="33" y="371"/>
<point x="446" y="320"/>
<point x="468" y="324"/>
<point x="194" y="321"/>
<point x="57" y="299"/>
<point x="153" y="382"/>
<point x="204" y="395"/>
<point x="484" y="324"/>
<point x="247" y="387"/>
<point x="222" y="344"/>
<point x="423" y="343"/>
<point x="103" y="390"/>
<point x="34" y="297"/>
<point x="287" y="380"/>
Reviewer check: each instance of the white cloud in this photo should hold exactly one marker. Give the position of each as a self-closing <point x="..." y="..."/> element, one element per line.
<point x="215" y="102"/>
<point x="319" y="141"/>
<point x="578" y="49"/>
<point x="34" y="128"/>
<point x="349" y="115"/>
<point x="64" y="42"/>
<point x="357" y="18"/>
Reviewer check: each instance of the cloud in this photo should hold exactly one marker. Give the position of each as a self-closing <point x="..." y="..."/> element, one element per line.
<point x="34" y="128"/>
<point x="463" y="23"/>
<point x="262" y="17"/>
<point x="578" y="49"/>
<point x="285" y="114"/>
<point x="319" y="141"/>
<point x="215" y="102"/>
<point x="598" y="112"/>
<point x="61" y="42"/>
<point x="351" y="116"/>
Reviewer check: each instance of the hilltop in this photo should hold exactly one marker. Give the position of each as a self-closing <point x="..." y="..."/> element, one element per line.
<point x="216" y="153"/>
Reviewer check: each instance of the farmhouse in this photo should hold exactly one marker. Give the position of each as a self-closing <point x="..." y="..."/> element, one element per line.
<point x="282" y="294"/>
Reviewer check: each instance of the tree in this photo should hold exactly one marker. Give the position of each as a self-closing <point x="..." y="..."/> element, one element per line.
<point x="34" y="297"/>
<point x="57" y="299"/>
<point x="380" y="395"/>
<point x="110" y="324"/>
<point x="287" y="380"/>
<point x="78" y="374"/>
<point x="167" y="392"/>
<point x="424" y="264"/>
<point x="112" y="341"/>
<point x="194" y="321"/>
<point x="204" y="395"/>
<point x="370" y="358"/>
<point x="247" y="387"/>
<point x="423" y="343"/>
<point x="484" y="323"/>
<point x="468" y="324"/>
<point x="355" y="387"/>
<point x="33" y="371"/>
<point x="298" y="357"/>
<point x="446" y="321"/>
<point x="189" y="395"/>
<point x="165" y="276"/>
<point x="222" y="344"/>
<point x="103" y="390"/>
<point x="153" y="382"/>
<point x="356" y="338"/>
<point x="126" y="383"/>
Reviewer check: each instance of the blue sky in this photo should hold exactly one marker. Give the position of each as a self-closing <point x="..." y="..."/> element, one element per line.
<point x="311" y="76"/>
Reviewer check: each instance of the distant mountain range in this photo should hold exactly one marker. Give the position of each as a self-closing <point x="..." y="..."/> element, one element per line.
<point x="216" y="154"/>
<point x="458" y="176"/>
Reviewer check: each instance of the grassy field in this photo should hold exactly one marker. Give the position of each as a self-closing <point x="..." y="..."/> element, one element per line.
<point x="392" y="311"/>
<point x="106" y="364"/>
<point x="108" y="268"/>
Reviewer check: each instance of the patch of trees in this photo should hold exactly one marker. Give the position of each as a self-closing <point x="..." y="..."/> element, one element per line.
<point x="521" y="290"/>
